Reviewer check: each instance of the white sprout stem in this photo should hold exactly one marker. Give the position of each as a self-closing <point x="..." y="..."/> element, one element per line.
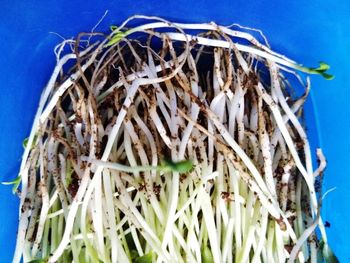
<point x="240" y="47"/>
<point x="204" y="26"/>
<point x="302" y="240"/>
<point x="322" y="161"/>
<point x="210" y="224"/>
<point x="266" y="153"/>
<point x="115" y="243"/>
<point x="289" y="141"/>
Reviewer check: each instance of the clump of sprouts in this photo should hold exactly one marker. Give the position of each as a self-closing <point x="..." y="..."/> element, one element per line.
<point x="171" y="142"/>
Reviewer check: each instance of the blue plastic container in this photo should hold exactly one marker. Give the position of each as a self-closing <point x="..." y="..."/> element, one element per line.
<point x="306" y="31"/>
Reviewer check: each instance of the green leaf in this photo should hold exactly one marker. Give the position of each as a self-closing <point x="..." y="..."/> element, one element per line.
<point x="130" y="241"/>
<point x="147" y="258"/>
<point x="43" y="260"/>
<point x="327" y="76"/>
<point x="328" y="254"/>
<point x="116" y="38"/>
<point x="207" y="256"/>
<point x="113" y="27"/>
<point x="134" y="254"/>
<point x="322" y="68"/>
<point x="15" y="183"/>
<point x="25" y="142"/>
<point x="69" y="172"/>
<point x="180" y="167"/>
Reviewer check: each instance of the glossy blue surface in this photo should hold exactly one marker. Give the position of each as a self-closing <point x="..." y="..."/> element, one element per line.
<point x="305" y="31"/>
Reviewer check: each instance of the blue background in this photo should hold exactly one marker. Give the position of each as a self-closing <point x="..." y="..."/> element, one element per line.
<point x="304" y="30"/>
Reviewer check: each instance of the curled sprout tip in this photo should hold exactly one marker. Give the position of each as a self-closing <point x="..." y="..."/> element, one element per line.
<point x="16" y="182"/>
<point x="321" y="70"/>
